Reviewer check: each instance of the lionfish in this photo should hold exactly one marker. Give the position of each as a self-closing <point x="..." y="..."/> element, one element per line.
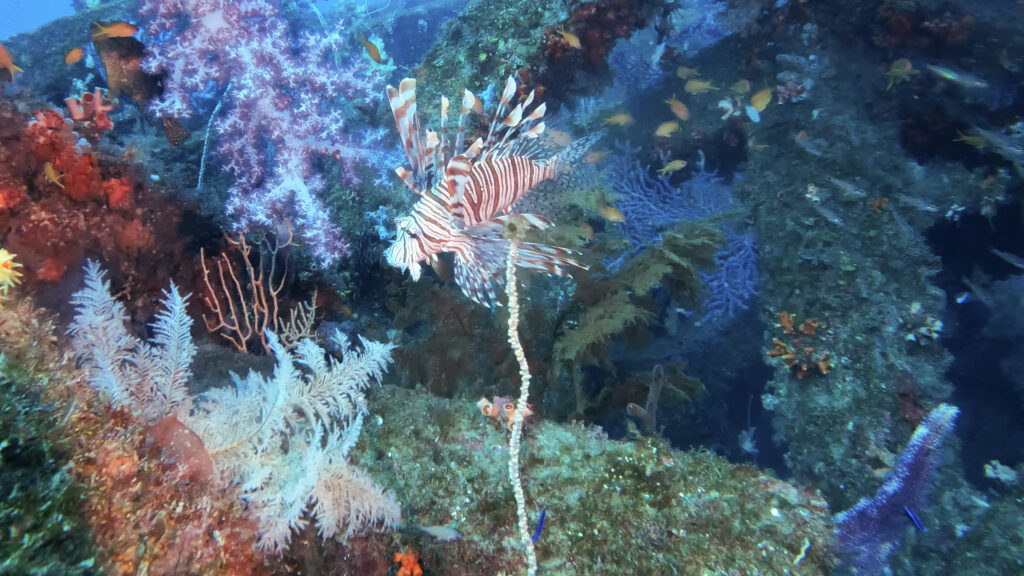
<point x="466" y="200"/>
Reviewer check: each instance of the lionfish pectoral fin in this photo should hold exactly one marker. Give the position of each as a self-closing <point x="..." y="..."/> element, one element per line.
<point x="525" y="221"/>
<point x="550" y="259"/>
<point x="479" y="263"/>
<point x="496" y="227"/>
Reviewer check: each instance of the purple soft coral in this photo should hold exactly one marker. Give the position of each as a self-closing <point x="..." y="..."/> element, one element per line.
<point x="279" y="110"/>
<point x="871" y="530"/>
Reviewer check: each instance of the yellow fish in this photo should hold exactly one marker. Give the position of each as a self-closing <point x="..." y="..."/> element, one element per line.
<point x="976" y="140"/>
<point x="760" y="100"/>
<point x="594" y="157"/>
<point x="899" y="72"/>
<point x="611" y="213"/>
<point x="667" y="129"/>
<point x="740" y="87"/>
<point x="52" y="175"/>
<point x="686" y="73"/>
<point x="672" y="167"/>
<point x="678" y="108"/>
<point x="620" y="119"/>
<point x="571" y="39"/>
<point x="694" y="86"/>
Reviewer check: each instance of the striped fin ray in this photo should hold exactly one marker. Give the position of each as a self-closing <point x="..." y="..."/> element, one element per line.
<point x="495" y="227"/>
<point x="403" y="107"/>
<point x="443" y="153"/>
<point x="551" y="259"/>
<point x="533" y="125"/>
<point x="468" y="100"/>
<point x="474" y="149"/>
<point x="431" y="152"/>
<point x="499" y="113"/>
<point x="480" y="264"/>
<point x="511" y="123"/>
<point x="408" y="178"/>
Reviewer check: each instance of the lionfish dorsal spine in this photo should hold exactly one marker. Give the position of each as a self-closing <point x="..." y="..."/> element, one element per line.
<point x="431" y="152"/>
<point x="442" y="154"/>
<point x="408" y="178"/>
<point x="403" y="107"/>
<point x="499" y="112"/>
<point x="468" y="100"/>
<point x="474" y="149"/>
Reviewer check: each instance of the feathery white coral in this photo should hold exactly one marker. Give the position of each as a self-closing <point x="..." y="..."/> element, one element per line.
<point x="285" y="440"/>
<point x="151" y="380"/>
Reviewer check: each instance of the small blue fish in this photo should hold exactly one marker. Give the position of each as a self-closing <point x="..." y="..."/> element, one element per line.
<point x="540" y="524"/>
<point x="913" y="518"/>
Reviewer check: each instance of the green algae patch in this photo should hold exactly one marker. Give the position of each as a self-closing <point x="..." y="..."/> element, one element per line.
<point x="611" y="507"/>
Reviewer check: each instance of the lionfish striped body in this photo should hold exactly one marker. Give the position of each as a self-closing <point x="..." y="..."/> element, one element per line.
<point x="466" y="200"/>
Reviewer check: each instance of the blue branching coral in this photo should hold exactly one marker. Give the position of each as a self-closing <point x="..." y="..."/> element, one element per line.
<point x="733" y="283"/>
<point x="652" y="205"/>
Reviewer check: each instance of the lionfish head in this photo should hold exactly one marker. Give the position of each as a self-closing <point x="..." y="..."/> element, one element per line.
<point x="406" y="252"/>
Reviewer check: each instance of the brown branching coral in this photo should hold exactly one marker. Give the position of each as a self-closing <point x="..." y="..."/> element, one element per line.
<point x="244" y="296"/>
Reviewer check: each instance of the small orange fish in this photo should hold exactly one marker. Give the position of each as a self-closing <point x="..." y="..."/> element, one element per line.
<point x="73" y="55"/>
<point x="594" y="157"/>
<point x="620" y="119"/>
<point x="571" y="39"/>
<point x="7" y="62"/>
<point x="667" y="129"/>
<point x="113" y="30"/>
<point x="678" y="108"/>
<point x="371" y="49"/>
<point x="52" y="175"/>
<point x="478" y="105"/>
<point x="694" y="86"/>
<point x="611" y="213"/>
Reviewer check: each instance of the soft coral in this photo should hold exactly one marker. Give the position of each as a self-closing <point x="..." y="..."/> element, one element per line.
<point x="53" y="140"/>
